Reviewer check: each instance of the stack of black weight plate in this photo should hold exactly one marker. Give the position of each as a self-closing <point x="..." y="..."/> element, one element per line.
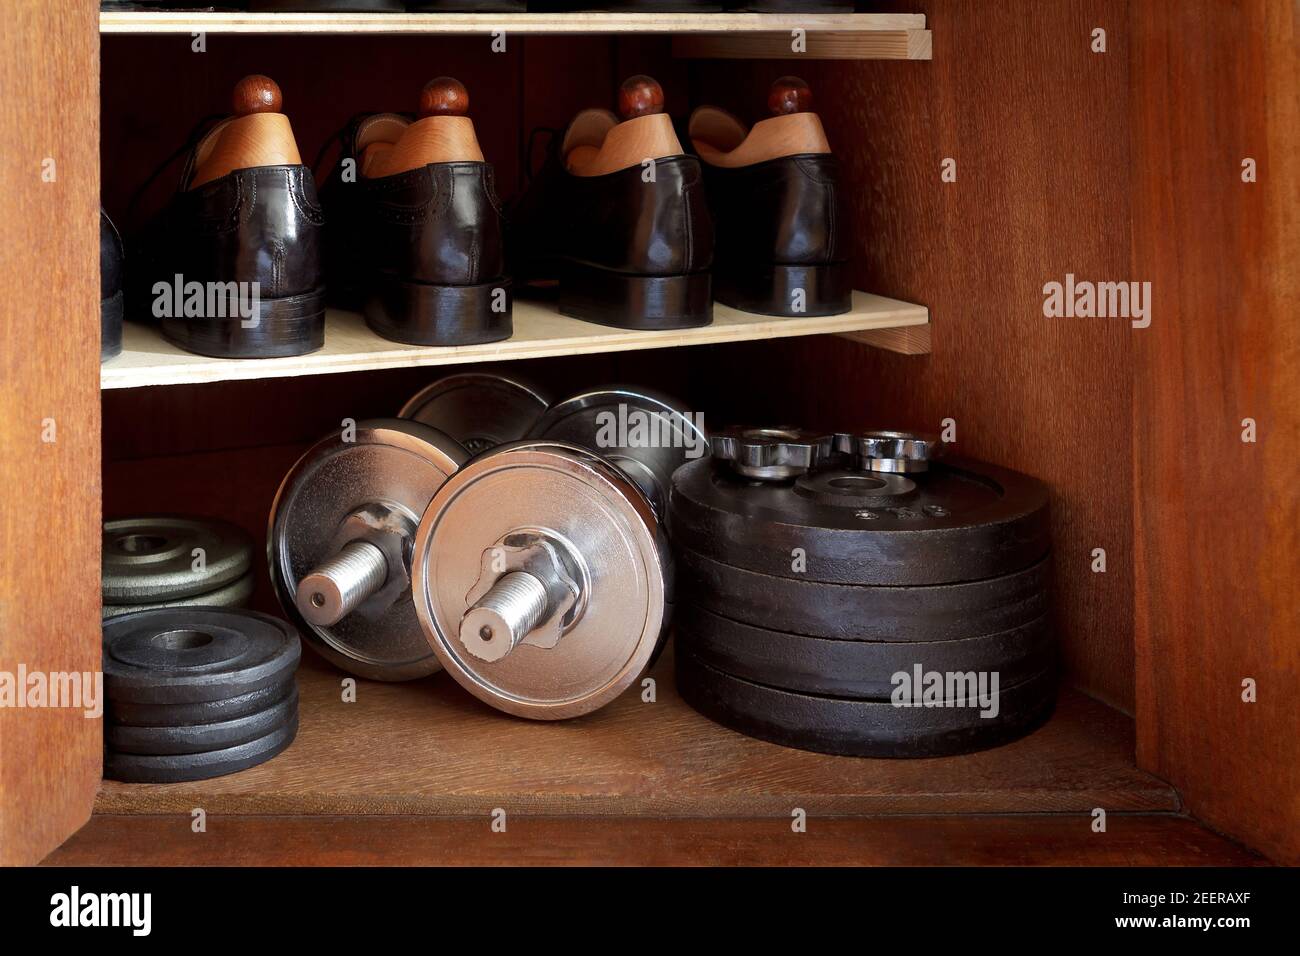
<point x="197" y="692"/>
<point x="810" y="610"/>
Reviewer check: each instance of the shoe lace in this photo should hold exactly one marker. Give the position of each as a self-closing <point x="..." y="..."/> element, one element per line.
<point x="196" y="134"/>
<point x="526" y="163"/>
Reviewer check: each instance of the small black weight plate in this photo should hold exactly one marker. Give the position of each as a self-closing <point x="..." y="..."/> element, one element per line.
<point x="184" y="655"/>
<point x="127" y="713"/>
<point x="941" y="612"/>
<point x="172" y="768"/>
<point x="958" y="521"/>
<point x="856" y="669"/>
<point x="235" y="594"/>
<point x="861" y="728"/>
<point x="152" y="559"/>
<point x="201" y="738"/>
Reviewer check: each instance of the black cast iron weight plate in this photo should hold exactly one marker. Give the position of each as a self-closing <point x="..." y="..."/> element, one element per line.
<point x="858" y="669"/>
<point x="201" y="738"/>
<point x="860" y="728"/>
<point x="959" y="521"/>
<point x="941" y="612"/>
<point x="190" y="654"/>
<point x="127" y="713"/>
<point x="150" y="560"/>
<point x="173" y="768"/>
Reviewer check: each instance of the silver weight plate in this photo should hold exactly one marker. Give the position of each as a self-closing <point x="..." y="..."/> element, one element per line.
<point x="235" y="594"/>
<point x="571" y="496"/>
<point x="397" y="465"/>
<point x="159" y="558"/>
<point x="479" y="409"/>
<point x="646" y="433"/>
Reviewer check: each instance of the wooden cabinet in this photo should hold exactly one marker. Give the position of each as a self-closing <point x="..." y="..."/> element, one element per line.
<point x="989" y="149"/>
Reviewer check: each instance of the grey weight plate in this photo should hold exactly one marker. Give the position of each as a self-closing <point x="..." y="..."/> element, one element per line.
<point x="149" y="560"/>
<point x="174" y="768"/>
<point x="479" y="409"/>
<point x="856" y="669"/>
<point x="188" y="655"/>
<point x="646" y="433"/>
<point x="941" y="612"/>
<point x="201" y="738"/>
<point x="958" y="521"/>
<point x="235" y="594"/>
<point x="125" y="712"/>
<point x="863" y="728"/>
<point x="393" y="464"/>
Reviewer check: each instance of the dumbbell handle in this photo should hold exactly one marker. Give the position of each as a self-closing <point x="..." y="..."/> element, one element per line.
<point x="331" y="591"/>
<point x="515" y="604"/>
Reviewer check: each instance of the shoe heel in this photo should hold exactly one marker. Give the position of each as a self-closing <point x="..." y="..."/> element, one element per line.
<point x="110" y="326"/>
<point x="417" y="313"/>
<point x="293" y="325"/>
<point x="636" y="302"/>
<point x="780" y="290"/>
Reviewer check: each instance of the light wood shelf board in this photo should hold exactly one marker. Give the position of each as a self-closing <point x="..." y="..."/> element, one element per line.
<point x="839" y="45"/>
<point x="540" y="331"/>
<point x="510" y="23"/>
<point x="428" y="748"/>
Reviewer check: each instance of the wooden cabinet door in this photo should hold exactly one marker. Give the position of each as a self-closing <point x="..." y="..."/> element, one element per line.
<point x="49" y="421"/>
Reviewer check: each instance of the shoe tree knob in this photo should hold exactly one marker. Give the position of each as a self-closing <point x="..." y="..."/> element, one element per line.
<point x="444" y="96"/>
<point x="256" y="94"/>
<point x="640" y="95"/>
<point x="789" y="95"/>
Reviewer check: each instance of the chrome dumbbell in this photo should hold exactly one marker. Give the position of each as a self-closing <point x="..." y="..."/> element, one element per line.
<point x="540" y="578"/>
<point x="341" y="535"/>
<point x="480" y="409"/>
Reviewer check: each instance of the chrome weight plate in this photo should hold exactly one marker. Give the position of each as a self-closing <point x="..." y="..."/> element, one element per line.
<point x="539" y="579"/>
<point x="479" y="409"/>
<point x="855" y="669"/>
<point x="125" y="712"/>
<point x="174" y="768"/>
<point x="646" y="433"/>
<point x="199" y="738"/>
<point x="151" y="560"/>
<point x="342" y="528"/>
<point x="958" y="521"/>
<point x="940" y="612"/>
<point x="863" y="728"/>
<point x="187" y="655"/>
<point x="235" y="594"/>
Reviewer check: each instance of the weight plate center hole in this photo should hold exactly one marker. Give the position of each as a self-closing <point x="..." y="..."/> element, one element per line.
<point x="141" y="543"/>
<point x="182" y="640"/>
<point x="860" y="485"/>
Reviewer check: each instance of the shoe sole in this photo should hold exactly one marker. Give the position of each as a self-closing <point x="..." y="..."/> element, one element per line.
<point x="418" y="313"/>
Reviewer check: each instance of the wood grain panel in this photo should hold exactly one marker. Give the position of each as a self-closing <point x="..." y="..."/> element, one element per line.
<point x="1066" y="840"/>
<point x="1217" y="519"/>
<point x="1037" y="125"/>
<point x="429" y="748"/>
<point x="49" y="371"/>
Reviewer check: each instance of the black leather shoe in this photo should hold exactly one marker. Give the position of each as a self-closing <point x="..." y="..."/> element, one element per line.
<point x="415" y="236"/>
<point x="110" y="289"/>
<point x="232" y="266"/>
<point x="775" y="196"/>
<point x="326" y="6"/>
<point x="618" y="216"/>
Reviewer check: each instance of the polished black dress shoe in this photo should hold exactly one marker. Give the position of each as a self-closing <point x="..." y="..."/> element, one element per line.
<point x="326" y="6"/>
<point x="232" y="266"/>
<point x="110" y="289"/>
<point x="774" y="191"/>
<point x="618" y="216"/>
<point x="627" y="6"/>
<point x="415" y="234"/>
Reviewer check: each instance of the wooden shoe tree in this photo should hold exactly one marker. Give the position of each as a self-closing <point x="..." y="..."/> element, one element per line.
<point x="389" y="144"/>
<point x="793" y="129"/>
<point x="257" y="135"/>
<point x="596" y="142"/>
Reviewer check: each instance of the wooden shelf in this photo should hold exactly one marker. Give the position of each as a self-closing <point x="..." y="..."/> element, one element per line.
<point x="428" y="748"/>
<point x="511" y="23"/>
<point x="148" y="359"/>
